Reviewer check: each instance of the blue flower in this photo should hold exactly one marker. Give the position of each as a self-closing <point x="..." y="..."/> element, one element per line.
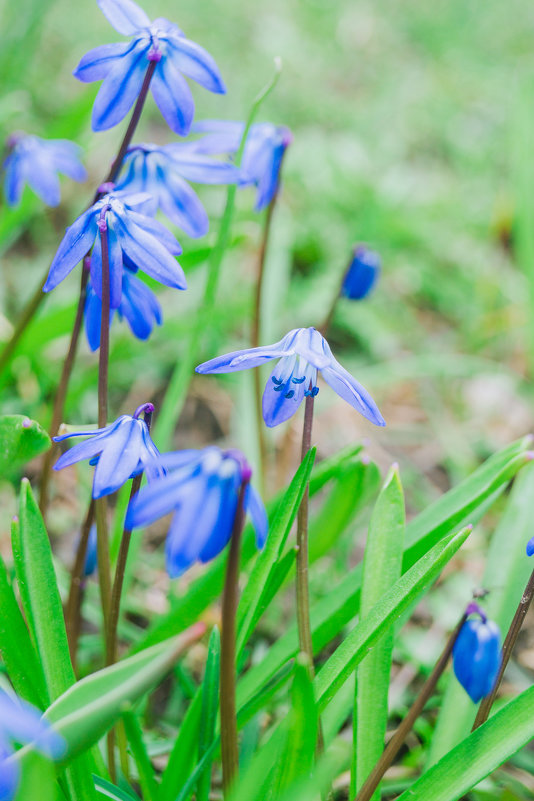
<point x="362" y="274"/>
<point x="37" y="162"/>
<point x="22" y="723"/>
<point x="477" y="657"/>
<point x="530" y="547"/>
<point x="139" y="306"/>
<point x="120" y="451"/>
<point x="91" y="554"/>
<point x="262" y="158"/>
<point x="123" y="66"/>
<point x="202" y="490"/>
<point x="302" y="353"/>
<point x="135" y="240"/>
<point x="161" y="171"/>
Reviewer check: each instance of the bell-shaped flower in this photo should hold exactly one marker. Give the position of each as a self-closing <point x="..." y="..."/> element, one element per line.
<point x="362" y="274"/>
<point x="21" y="723"/>
<point x="201" y="488"/>
<point x="530" y="547"/>
<point x="477" y="657"/>
<point x="122" y="68"/>
<point x="120" y="451"/>
<point x="262" y="157"/>
<point x="139" y="307"/>
<point x="134" y="239"/>
<point x="163" y="172"/>
<point x="302" y="354"/>
<point x="37" y="162"/>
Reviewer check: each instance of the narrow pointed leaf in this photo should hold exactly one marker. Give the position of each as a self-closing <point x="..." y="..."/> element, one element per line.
<point x="21" y="439"/>
<point x="208" y="715"/>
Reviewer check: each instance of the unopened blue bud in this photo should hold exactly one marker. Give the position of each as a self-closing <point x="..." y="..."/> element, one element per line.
<point x="477" y="657"/>
<point x="91" y="553"/>
<point x="530" y="547"/>
<point x="362" y="274"/>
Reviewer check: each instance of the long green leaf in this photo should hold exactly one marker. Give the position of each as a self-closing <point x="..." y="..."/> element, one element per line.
<point x="208" y="716"/>
<point x="21" y="439"/>
<point x="145" y="770"/>
<point x="383" y="615"/>
<point x="479" y="754"/>
<point x="89" y="708"/>
<point x="253" y="599"/>
<point x="18" y="653"/>
<point x="38" y="780"/>
<point x="507" y="571"/>
<point x="337" y="608"/>
<point x="381" y="569"/>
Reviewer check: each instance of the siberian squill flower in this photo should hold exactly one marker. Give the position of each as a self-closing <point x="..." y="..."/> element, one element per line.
<point x="120" y="451"/>
<point x="262" y="157"/>
<point x="302" y="354"/>
<point x="530" y="547"/>
<point x="134" y="239"/>
<point x="37" y="162"/>
<point x="201" y="488"/>
<point x="163" y="172"/>
<point x="122" y="68"/>
<point x="139" y="307"/>
<point x="21" y="723"/>
<point x="477" y="655"/>
<point x="362" y="274"/>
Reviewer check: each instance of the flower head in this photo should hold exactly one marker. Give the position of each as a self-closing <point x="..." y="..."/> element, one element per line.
<point x="119" y="451"/>
<point x="201" y="488"/>
<point x="123" y="66"/>
<point x="477" y="655"/>
<point x="134" y="240"/>
<point x="37" y="162"/>
<point x="262" y="158"/>
<point x="163" y="172"/>
<point x="22" y="723"/>
<point x="530" y="547"/>
<point x="362" y="274"/>
<point x="302" y="354"/>
<point x="139" y="307"/>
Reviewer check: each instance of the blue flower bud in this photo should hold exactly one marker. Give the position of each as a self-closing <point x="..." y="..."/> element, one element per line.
<point x="477" y="657"/>
<point x="91" y="553"/>
<point x="362" y="274"/>
<point x="530" y="547"/>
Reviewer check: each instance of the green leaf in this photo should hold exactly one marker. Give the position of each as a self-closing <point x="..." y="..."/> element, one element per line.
<point x="479" y="754"/>
<point x="40" y="596"/>
<point x="134" y="734"/>
<point x="337" y="608"/>
<point x="208" y="715"/>
<point x="383" y="615"/>
<point x="107" y="790"/>
<point x="381" y="570"/>
<point x="19" y="656"/>
<point x="89" y="708"/>
<point x="21" y="439"/>
<point x="38" y="780"/>
<point x="507" y="571"/>
<point x="254" y="598"/>
<point x="182" y="757"/>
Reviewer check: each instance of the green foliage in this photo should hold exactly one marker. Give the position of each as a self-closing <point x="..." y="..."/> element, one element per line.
<point x="21" y="439"/>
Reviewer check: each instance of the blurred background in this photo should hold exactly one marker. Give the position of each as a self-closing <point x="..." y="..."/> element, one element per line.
<point x="413" y="129"/>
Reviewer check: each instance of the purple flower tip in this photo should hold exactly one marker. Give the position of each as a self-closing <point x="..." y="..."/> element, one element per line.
<point x="473" y="608"/>
<point x="102" y="225"/>
<point x="154" y="55"/>
<point x="147" y="408"/>
<point x="15" y="518"/>
<point x="26" y="423"/>
<point x="365" y="459"/>
<point x="106" y="188"/>
<point x="529" y="456"/>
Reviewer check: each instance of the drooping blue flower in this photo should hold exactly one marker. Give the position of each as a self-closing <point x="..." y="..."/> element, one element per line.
<point x="530" y="547"/>
<point x="302" y="353"/>
<point x="134" y="240"/>
<point x="362" y="274"/>
<point x="21" y="723"/>
<point x="122" y="68"/>
<point x="163" y="172"/>
<point x="139" y="307"/>
<point x="477" y="656"/>
<point x="120" y="451"/>
<point x="202" y="488"/>
<point x="262" y="157"/>
<point x="37" y="162"/>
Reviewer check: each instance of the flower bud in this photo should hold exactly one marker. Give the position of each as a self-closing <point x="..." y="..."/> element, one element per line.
<point x="477" y="657"/>
<point x="362" y="274"/>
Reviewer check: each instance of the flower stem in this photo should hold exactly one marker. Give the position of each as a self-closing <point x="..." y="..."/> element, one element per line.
<point x="230" y="597"/>
<point x="74" y="601"/>
<point x="507" y="648"/>
<point x="61" y="394"/>
<point x="303" y="595"/>
<point x="391" y="750"/>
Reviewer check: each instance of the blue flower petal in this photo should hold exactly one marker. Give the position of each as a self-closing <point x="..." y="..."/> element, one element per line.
<point x="140" y="307"/>
<point x="200" y="169"/>
<point x="150" y="256"/>
<point x="243" y="359"/>
<point x="157" y="230"/>
<point x="125" y="15"/>
<point x="530" y="547"/>
<point x="182" y="205"/>
<point x="83" y="450"/>
<point x="77" y="241"/>
<point x="43" y="179"/>
<point x="119" y="459"/>
<point x="9" y="773"/>
<point x="258" y="515"/>
<point x="352" y="392"/>
<point x="218" y="527"/>
<point x="269" y="178"/>
<point x="67" y="160"/>
<point x="120" y="89"/>
<point x="173" y="97"/>
<point x="14" y="180"/>
<point x="22" y="723"/>
<point x="97" y="63"/>
<point x="155" y="500"/>
<point x="477" y="657"/>
<point x="195" y="62"/>
<point x="281" y="401"/>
